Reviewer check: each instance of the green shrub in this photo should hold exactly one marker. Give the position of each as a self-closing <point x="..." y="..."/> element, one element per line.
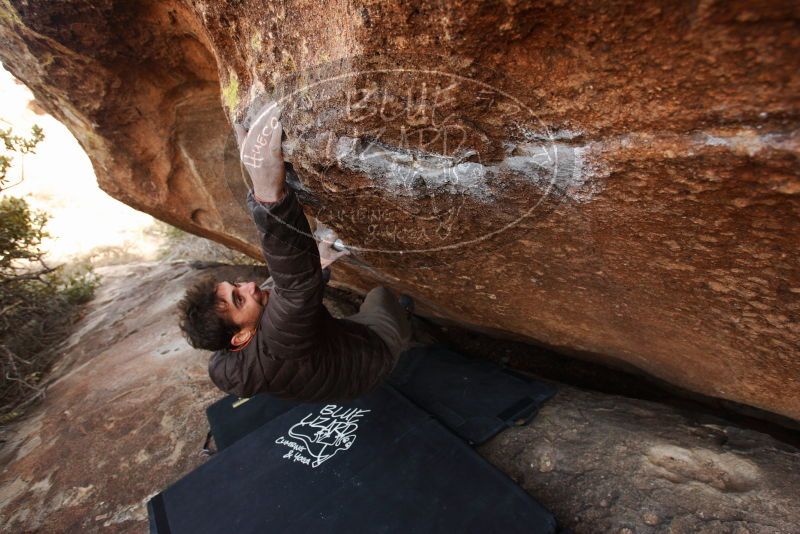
<point x="76" y="283"/>
<point x="16" y="144"/>
<point x="21" y="235"/>
<point x="38" y="303"/>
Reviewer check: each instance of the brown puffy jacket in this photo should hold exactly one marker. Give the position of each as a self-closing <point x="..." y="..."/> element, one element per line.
<point x="299" y="351"/>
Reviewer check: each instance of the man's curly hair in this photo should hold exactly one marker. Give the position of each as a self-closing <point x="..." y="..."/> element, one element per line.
<point x="202" y="326"/>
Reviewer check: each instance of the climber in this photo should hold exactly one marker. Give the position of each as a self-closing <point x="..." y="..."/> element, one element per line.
<point x="283" y="341"/>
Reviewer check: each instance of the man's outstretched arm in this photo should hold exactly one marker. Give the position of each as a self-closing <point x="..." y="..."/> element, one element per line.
<point x="290" y="324"/>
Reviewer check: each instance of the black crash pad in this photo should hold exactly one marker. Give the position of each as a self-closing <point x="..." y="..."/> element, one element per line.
<point x="231" y="418"/>
<point x="476" y="399"/>
<point x="376" y="464"/>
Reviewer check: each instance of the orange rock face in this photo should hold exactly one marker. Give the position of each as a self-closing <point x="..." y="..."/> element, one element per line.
<point x="618" y="181"/>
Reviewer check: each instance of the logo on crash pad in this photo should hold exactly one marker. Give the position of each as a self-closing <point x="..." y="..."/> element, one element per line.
<point x="318" y="437"/>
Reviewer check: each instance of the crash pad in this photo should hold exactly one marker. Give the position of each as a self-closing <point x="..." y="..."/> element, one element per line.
<point x="376" y="464"/>
<point x="475" y="399"/>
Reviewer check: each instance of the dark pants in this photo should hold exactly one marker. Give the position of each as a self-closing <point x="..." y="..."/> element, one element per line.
<point x="381" y="312"/>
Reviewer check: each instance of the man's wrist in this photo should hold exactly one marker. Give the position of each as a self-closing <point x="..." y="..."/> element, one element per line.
<point x="270" y="197"/>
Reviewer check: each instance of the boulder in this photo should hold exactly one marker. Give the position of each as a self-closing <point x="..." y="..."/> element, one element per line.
<point x="603" y="463"/>
<point x="618" y="181"/>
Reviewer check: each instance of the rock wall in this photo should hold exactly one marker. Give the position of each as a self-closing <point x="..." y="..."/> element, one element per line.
<point x="617" y="180"/>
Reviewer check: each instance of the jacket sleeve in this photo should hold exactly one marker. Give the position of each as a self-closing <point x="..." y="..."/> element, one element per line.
<point x="231" y="373"/>
<point x="291" y="323"/>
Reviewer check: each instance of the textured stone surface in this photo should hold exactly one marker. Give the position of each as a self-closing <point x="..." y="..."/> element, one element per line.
<point x="124" y="416"/>
<point x="603" y="463"/>
<point x="642" y="157"/>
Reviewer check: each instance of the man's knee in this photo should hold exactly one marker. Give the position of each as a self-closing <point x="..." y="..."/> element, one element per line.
<point x="381" y="291"/>
<point x="377" y="296"/>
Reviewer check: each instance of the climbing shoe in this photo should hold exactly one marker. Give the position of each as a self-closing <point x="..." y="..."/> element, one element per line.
<point x="407" y="303"/>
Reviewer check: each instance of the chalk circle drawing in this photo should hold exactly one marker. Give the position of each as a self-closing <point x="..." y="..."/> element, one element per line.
<point x="322" y="435"/>
<point x="419" y="160"/>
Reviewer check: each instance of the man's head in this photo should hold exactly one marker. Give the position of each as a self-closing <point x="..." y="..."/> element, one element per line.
<point x="220" y="315"/>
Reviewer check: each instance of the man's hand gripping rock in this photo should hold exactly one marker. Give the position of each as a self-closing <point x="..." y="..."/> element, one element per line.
<point x="261" y="153"/>
<point x="260" y="150"/>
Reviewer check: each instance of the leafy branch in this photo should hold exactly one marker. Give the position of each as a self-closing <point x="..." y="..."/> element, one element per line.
<point x="16" y="144"/>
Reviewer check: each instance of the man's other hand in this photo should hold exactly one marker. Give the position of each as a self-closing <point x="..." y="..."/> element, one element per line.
<point x="326" y="238"/>
<point x="260" y="151"/>
<point x="328" y="254"/>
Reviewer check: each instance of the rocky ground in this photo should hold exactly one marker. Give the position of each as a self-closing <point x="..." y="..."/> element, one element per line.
<point x="124" y="417"/>
<point x="603" y="463"/>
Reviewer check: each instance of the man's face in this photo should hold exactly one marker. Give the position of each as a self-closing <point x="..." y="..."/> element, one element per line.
<point x="241" y="303"/>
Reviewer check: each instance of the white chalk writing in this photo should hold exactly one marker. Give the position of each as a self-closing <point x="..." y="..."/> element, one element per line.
<point x="322" y="435"/>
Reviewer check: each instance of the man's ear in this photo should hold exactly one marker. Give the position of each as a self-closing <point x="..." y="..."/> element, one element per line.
<point x="241" y="337"/>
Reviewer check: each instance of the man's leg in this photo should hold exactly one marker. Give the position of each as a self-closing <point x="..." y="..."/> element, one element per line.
<point x="381" y="312"/>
